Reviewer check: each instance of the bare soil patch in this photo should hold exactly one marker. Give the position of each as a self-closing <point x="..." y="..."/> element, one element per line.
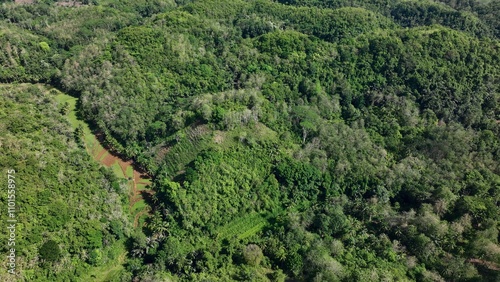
<point x="109" y="160"/>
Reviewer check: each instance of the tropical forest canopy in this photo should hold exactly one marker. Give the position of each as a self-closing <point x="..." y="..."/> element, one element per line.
<point x="290" y="140"/>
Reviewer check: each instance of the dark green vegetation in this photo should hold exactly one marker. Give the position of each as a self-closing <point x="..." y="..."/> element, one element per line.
<point x="303" y="140"/>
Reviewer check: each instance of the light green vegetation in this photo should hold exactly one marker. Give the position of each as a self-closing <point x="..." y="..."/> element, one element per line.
<point x="69" y="103"/>
<point x="130" y="172"/>
<point x="243" y="227"/>
<point x="99" y="153"/>
<point x="117" y="170"/>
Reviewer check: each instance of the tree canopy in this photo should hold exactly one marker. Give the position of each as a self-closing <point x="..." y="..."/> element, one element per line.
<point x="290" y="140"/>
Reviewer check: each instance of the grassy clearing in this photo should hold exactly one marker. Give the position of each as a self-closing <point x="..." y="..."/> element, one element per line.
<point x="139" y="206"/>
<point x="243" y="227"/>
<point x="142" y="219"/>
<point x="130" y="172"/>
<point x="142" y="186"/>
<point x="117" y="170"/>
<point x="71" y="101"/>
<point x="254" y="230"/>
<point x="140" y="212"/>
<point x="91" y="142"/>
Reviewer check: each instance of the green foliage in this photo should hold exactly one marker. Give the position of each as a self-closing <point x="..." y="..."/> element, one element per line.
<point x="252" y="254"/>
<point x="303" y="181"/>
<point x="61" y="193"/>
<point x="243" y="227"/>
<point x="298" y="140"/>
<point x="236" y="191"/>
<point x="44" y="46"/>
<point x="50" y="251"/>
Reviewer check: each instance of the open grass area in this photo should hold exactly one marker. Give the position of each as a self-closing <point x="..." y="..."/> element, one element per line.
<point x="117" y="170"/>
<point x="243" y="227"/>
<point x="130" y="172"/>
<point x="141" y="220"/>
<point x="142" y="186"/>
<point x="138" y="206"/>
<point x="91" y="143"/>
<point x="257" y="226"/>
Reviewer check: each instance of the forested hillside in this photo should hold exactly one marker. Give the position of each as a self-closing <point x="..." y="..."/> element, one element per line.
<point x="69" y="211"/>
<point x="288" y="140"/>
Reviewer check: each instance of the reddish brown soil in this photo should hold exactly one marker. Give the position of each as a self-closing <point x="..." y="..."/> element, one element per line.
<point x="140" y="176"/>
<point x="109" y="160"/>
<point x="138" y="194"/>
<point x="100" y="154"/>
<point x="135" y="195"/>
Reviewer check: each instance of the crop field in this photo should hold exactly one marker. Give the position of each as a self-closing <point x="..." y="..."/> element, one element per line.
<point x="243" y="227"/>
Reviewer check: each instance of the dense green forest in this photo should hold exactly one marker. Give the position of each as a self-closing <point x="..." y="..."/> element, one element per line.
<point x="290" y="140"/>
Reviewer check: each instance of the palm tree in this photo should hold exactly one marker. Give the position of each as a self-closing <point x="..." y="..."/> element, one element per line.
<point x="157" y="225"/>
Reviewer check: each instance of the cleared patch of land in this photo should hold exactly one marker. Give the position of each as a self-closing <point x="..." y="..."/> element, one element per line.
<point x="137" y="182"/>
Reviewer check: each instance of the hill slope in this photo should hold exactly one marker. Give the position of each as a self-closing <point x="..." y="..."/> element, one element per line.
<point x="288" y="140"/>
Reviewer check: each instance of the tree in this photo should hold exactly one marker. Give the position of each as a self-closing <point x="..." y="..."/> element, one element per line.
<point x="50" y="251"/>
<point x="252" y="254"/>
<point x="308" y="121"/>
<point x="294" y="263"/>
